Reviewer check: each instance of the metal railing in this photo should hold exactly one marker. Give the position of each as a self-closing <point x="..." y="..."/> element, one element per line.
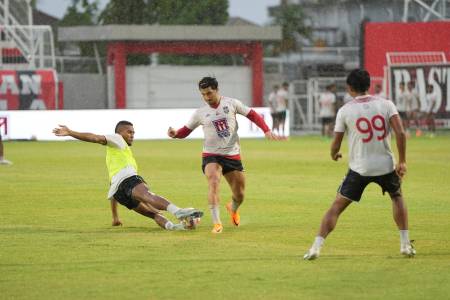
<point x="21" y="42"/>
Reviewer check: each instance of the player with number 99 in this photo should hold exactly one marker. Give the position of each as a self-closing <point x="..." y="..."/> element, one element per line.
<point x="367" y="120"/>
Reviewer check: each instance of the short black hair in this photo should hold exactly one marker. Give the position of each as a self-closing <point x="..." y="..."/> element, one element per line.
<point x="359" y="80"/>
<point x="207" y="82"/>
<point x="122" y="123"/>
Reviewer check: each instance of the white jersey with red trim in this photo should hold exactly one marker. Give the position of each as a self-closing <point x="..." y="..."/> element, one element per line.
<point x="366" y="120"/>
<point x="220" y="126"/>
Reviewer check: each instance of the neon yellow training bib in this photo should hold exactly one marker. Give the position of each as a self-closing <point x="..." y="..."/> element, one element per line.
<point x="117" y="159"/>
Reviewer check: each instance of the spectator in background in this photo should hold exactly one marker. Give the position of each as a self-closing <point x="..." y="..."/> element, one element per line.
<point x="431" y="99"/>
<point x="3" y="161"/>
<point x="281" y="108"/>
<point x="378" y="91"/>
<point x="400" y="103"/>
<point x="347" y="98"/>
<point x="273" y="107"/>
<point x="412" y="106"/>
<point x="327" y="101"/>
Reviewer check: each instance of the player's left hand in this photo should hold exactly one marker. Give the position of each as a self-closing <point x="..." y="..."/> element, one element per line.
<point x="273" y="137"/>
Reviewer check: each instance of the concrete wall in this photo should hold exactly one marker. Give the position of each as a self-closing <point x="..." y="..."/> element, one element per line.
<point x="84" y="91"/>
<point x="176" y="87"/>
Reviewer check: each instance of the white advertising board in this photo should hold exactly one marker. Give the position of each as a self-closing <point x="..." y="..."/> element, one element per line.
<point x="148" y="123"/>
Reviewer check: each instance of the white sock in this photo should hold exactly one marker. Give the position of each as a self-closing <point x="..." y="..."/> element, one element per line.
<point x="404" y="237"/>
<point x="318" y="242"/>
<point x="168" y="225"/>
<point x="215" y="213"/>
<point x="172" y="208"/>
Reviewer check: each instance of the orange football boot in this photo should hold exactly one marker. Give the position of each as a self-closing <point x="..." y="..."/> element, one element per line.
<point x="235" y="218"/>
<point x="217" y="228"/>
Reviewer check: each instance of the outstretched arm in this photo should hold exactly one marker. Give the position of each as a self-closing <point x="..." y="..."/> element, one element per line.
<point x="256" y="118"/>
<point x="336" y="145"/>
<point x="400" y="138"/>
<point x="82" y="136"/>
<point x="180" y="133"/>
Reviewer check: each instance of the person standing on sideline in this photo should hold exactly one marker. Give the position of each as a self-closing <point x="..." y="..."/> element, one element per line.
<point x="327" y="101"/>
<point x="400" y="103"/>
<point x="3" y="161"/>
<point x="273" y="107"/>
<point x="282" y="105"/>
<point x="221" y="149"/>
<point x="367" y="121"/>
<point x="126" y="186"/>
<point x="412" y="106"/>
<point x="431" y="99"/>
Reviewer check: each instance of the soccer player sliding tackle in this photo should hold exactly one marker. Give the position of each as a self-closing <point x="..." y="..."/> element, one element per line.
<point x="126" y="186"/>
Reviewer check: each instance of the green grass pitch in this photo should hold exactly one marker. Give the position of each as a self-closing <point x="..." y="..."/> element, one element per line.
<point x="56" y="241"/>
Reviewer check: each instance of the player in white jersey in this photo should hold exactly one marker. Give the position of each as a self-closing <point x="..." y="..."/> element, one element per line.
<point x="221" y="150"/>
<point x="367" y="120"/>
<point x="272" y="101"/>
<point x="430" y="109"/>
<point x="400" y="103"/>
<point x="126" y="186"/>
<point x="282" y="99"/>
<point x="412" y="105"/>
<point x="327" y="102"/>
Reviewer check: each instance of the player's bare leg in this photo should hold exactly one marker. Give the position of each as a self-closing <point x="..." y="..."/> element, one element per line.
<point x="400" y="213"/>
<point x="147" y="210"/>
<point x="142" y="194"/>
<point x="213" y="172"/>
<point x="328" y="224"/>
<point x="236" y="181"/>
<point x="3" y="161"/>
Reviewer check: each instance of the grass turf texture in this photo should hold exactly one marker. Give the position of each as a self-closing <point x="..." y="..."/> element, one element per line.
<point x="56" y="241"/>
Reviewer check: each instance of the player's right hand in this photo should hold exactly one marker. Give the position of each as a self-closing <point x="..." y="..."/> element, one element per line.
<point x="400" y="168"/>
<point x="61" y="131"/>
<point x="336" y="156"/>
<point x="116" y="223"/>
<point x="171" y="132"/>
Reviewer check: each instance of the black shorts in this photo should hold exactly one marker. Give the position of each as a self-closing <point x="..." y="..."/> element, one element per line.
<point x="327" y="120"/>
<point x="282" y="116"/>
<point x="402" y="115"/>
<point x="227" y="164"/>
<point x="354" y="184"/>
<point x="125" y="189"/>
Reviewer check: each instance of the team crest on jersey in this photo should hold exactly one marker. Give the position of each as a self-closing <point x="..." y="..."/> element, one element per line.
<point x="225" y="109"/>
<point x="222" y="128"/>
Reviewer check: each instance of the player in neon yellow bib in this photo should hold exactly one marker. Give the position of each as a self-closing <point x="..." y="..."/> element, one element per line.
<point x="126" y="186"/>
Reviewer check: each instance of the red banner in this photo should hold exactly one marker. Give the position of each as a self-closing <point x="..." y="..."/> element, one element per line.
<point x="28" y="90"/>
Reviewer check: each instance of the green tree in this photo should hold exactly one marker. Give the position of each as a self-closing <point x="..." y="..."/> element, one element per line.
<point x="291" y="19"/>
<point x="169" y="12"/>
<point x="190" y="12"/>
<point x="80" y="13"/>
<point x="124" y="12"/>
<point x="127" y="12"/>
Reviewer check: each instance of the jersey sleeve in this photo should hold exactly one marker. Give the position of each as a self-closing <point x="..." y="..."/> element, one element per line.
<point x="391" y="108"/>
<point x="241" y="108"/>
<point x="194" y="121"/>
<point x="340" y="122"/>
<point x="115" y="141"/>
